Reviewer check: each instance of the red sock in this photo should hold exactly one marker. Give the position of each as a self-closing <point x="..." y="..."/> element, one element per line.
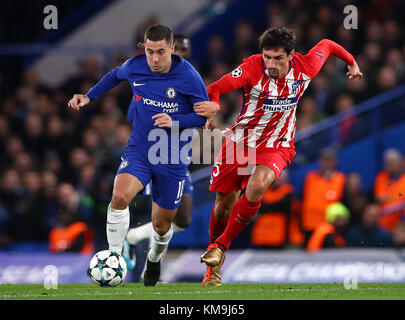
<point x="242" y="213"/>
<point x="216" y="227"/>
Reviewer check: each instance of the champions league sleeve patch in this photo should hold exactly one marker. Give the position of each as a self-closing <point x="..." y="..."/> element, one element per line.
<point x="237" y="72"/>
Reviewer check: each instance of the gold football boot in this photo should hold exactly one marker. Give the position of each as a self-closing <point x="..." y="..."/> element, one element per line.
<point x="214" y="258"/>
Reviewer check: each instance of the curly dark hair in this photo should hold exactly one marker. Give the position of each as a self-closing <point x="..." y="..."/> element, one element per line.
<point x="280" y="37"/>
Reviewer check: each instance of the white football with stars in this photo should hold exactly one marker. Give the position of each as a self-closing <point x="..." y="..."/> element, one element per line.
<point x="107" y="268"/>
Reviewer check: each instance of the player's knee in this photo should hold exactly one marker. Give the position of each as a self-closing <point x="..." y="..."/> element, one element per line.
<point x="257" y="186"/>
<point x="119" y="201"/>
<point x="255" y="190"/>
<point x="161" y="228"/>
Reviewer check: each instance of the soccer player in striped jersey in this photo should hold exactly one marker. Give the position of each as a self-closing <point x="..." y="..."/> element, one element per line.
<point x="261" y="142"/>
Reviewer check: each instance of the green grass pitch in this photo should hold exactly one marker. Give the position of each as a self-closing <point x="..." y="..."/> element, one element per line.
<point x="194" y="291"/>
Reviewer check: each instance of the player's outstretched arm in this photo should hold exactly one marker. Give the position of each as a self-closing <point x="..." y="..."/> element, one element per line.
<point x="78" y="101"/>
<point x="317" y="56"/>
<point x="109" y="81"/>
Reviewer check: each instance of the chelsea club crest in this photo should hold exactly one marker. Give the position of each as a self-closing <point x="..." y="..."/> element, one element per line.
<point x="171" y="93"/>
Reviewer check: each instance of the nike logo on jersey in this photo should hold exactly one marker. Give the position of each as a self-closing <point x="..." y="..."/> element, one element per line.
<point x="138" y="84"/>
<point x="276" y="167"/>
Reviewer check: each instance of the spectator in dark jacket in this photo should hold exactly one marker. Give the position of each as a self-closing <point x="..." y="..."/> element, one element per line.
<point x="368" y="233"/>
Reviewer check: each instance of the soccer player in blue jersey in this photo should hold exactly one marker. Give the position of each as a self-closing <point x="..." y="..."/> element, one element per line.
<point x="182" y="48"/>
<point x="165" y="88"/>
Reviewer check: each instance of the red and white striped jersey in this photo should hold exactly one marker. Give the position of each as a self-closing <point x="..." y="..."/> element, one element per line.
<point x="268" y="115"/>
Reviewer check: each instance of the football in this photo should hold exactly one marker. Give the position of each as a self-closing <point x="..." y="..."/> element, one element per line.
<point x="107" y="268"/>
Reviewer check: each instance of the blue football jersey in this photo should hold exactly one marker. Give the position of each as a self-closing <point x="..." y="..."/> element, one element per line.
<point x="174" y="93"/>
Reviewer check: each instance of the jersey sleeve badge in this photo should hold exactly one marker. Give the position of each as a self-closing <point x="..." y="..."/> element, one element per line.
<point x="236" y="73"/>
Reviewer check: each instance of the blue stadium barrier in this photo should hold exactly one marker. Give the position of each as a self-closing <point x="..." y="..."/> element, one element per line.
<point x="26" y="247"/>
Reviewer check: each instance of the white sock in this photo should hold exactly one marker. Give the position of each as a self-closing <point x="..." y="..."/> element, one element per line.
<point x="140" y="233"/>
<point x="159" y="245"/>
<point x="144" y="231"/>
<point x="117" y="227"/>
<point x="176" y="228"/>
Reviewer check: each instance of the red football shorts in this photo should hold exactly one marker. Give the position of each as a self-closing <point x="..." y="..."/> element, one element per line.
<point x="235" y="162"/>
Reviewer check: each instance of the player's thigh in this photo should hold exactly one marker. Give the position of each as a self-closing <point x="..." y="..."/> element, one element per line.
<point x="168" y="186"/>
<point x="183" y="216"/>
<point x="224" y="203"/>
<point x="162" y="218"/>
<point x="132" y="175"/>
<point x="126" y="187"/>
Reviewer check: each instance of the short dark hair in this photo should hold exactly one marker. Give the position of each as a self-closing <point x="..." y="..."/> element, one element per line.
<point x="159" y="32"/>
<point x="279" y="37"/>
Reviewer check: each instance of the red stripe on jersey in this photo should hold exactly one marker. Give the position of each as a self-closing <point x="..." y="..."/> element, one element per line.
<point x="282" y="92"/>
<point x="258" y="112"/>
<point x="284" y="130"/>
<point x="250" y="118"/>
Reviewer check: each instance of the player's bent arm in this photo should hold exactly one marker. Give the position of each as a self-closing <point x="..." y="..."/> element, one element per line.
<point x="189" y="120"/>
<point x="318" y="55"/>
<point x="226" y="84"/>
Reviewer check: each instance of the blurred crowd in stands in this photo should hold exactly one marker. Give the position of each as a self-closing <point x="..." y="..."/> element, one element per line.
<point x="57" y="165"/>
<point x="335" y="211"/>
